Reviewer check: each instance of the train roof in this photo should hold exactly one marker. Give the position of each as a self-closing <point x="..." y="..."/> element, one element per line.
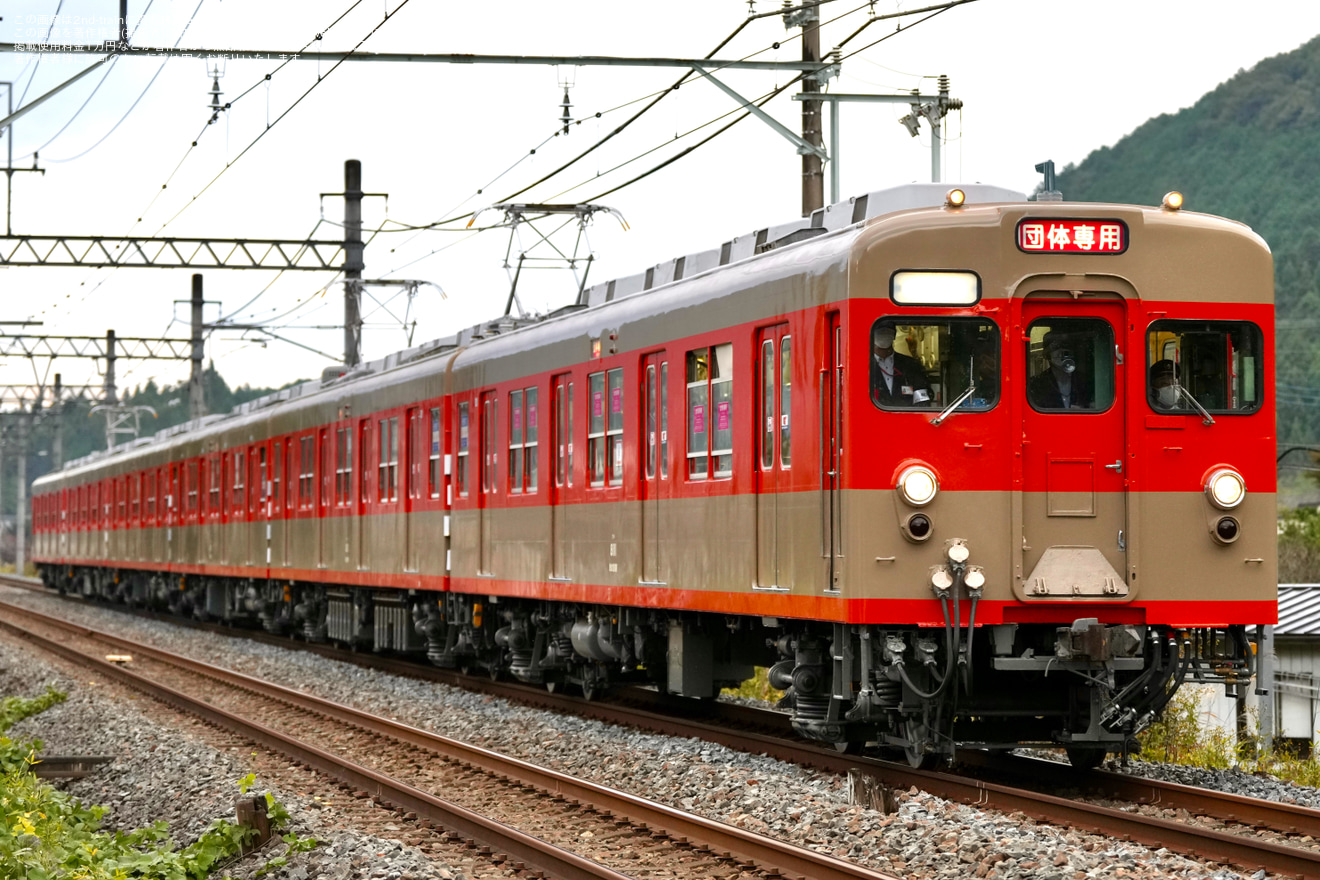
<point x="832" y="218"/>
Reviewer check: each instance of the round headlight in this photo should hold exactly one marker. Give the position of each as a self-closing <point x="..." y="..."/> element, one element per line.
<point x="955" y="198"/>
<point x="918" y="485"/>
<point x="1173" y="201"/>
<point x="1225" y="489"/>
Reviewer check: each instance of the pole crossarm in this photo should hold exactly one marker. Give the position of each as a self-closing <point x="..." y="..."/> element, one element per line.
<point x="95" y="251"/>
<point x="94" y="347"/>
<point x="804" y="147"/>
<point x="431" y="57"/>
<point x="27" y="395"/>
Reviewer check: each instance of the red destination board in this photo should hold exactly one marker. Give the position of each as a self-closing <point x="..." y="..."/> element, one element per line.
<point x="1039" y="236"/>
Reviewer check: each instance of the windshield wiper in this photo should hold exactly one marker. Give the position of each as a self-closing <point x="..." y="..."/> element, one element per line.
<point x="953" y="406"/>
<point x="1205" y="416"/>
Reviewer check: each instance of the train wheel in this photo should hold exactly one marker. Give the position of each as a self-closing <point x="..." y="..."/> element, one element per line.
<point x="915" y="750"/>
<point x="593" y="686"/>
<point x="1085" y="759"/>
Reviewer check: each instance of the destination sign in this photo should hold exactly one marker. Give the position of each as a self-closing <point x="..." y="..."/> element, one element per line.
<point x="1038" y="236"/>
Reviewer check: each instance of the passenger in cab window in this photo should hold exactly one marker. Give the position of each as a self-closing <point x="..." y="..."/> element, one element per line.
<point x="1062" y="385"/>
<point x="1164" y="385"/>
<point x="896" y="379"/>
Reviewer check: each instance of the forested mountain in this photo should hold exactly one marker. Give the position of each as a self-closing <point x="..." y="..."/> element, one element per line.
<point x="1248" y="150"/>
<point x="85" y="432"/>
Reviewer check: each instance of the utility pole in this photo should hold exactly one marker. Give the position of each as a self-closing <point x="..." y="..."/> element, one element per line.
<point x="813" y="178"/>
<point x="196" y="392"/>
<point x="20" y="515"/>
<point x="111" y="395"/>
<point x="57" y="445"/>
<point x="352" y="262"/>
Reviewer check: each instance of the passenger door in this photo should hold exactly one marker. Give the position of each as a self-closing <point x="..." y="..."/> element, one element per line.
<point x="490" y="475"/>
<point x="561" y="480"/>
<point x="831" y="454"/>
<point x="414" y="478"/>
<point x="1072" y="507"/>
<point x="655" y="463"/>
<point x="774" y="353"/>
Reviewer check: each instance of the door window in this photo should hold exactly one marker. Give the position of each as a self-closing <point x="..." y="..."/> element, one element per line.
<point x="1070" y="365"/>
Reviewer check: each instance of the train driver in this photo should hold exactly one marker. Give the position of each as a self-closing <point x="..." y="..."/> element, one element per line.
<point x="1164" y="385"/>
<point x="1062" y="386"/>
<point x="896" y="379"/>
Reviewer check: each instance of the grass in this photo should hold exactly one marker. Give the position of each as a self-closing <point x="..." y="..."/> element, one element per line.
<point x="1178" y="738"/>
<point x="47" y="834"/>
<point x="756" y="688"/>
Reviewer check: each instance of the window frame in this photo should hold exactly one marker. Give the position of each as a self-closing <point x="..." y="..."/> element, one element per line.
<point x="896" y="320"/>
<point x="711" y="457"/>
<point x="1028" y="378"/>
<point x="1258" y="381"/>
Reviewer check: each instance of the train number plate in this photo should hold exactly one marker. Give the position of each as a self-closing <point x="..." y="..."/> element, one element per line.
<point x="1041" y="236"/>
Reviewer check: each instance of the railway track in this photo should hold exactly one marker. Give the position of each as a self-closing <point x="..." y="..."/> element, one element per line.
<point x="629" y="836"/>
<point x="1237" y="844"/>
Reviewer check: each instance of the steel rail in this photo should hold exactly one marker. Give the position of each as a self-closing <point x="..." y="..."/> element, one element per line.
<point x="528" y="850"/>
<point x="1198" y="842"/>
<point x="1257" y="812"/>
<point x="766" y="852"/>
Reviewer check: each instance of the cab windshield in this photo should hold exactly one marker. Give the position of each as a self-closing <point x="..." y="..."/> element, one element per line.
<point x="1216" y="363"/>
<point x="927" y="364"/>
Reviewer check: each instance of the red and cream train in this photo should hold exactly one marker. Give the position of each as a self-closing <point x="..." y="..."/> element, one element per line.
<point x="917" y="453"/>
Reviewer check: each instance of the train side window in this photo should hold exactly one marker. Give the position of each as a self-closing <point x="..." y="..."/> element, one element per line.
<point x="651" y="437"/>
<point x="785" y="399"/>
<point x="489" y="454"/>
<point x="306" y="470"/>
<point x="515" y="442"/>
<point x="1218" y="364"/>
<point x="192" y="485"/>
<point x="433" y="468"/>
<point x="214" y="470"/>
<point x="530" y="442"/>
<point x="240" y="500"/>
<point x="151" y="496"/>
<point x="664" y="420"/>
<point x="258" y="496"/>
<point x="364" y="464"/>
<point x="710" y="412"/>
<point x="928" y="363"/>
<point x="614" y="427"/>
<point x="388" y="470"/>
<point x="277" y="475"/>
<point x="461" y="467"/>
<point x="1070" y="365"/>
<point x="343" y="467"/>
<point x="596" y="429"/>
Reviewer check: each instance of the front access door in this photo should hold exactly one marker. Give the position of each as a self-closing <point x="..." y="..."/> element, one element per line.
<point x="655" y="462"/>
<point x="1073" y="503"/>
<point x="774" y="348"/>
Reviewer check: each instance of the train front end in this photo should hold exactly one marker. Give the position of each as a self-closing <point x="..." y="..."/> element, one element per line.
<point x="1055" y="483"/>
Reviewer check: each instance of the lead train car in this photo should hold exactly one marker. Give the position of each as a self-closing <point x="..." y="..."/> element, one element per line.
<point x="917" y="456"/>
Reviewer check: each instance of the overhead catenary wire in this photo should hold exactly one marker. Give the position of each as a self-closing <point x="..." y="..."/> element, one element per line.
<point x="127" y="112"/>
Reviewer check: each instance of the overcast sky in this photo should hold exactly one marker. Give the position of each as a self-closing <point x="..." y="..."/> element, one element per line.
<point x="1040" y="79"/>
